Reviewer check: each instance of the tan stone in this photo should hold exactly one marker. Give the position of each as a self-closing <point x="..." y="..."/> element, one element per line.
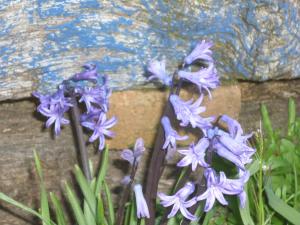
<point x="139" y="111"/>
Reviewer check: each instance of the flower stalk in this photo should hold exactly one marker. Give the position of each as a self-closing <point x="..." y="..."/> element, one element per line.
<point x="83" y="154"/>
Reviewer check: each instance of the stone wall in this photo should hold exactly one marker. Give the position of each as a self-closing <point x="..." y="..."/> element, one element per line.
<point x="138" y="112"/>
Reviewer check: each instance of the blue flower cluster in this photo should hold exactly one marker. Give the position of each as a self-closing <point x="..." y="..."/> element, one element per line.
<point x="229" y="143"/>
<point x="95" y="98"/>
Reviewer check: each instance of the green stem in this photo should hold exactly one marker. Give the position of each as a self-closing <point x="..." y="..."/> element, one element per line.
<point x="260" y="185"/>
<point x="296" y="184"/>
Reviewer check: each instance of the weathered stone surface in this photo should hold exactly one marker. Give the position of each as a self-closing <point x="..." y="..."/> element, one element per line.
<point x="274" y="95"/>
<point x="43" y="42"/>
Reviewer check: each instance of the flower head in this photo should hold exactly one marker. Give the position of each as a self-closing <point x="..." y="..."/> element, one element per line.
<point x="141" y="204"/>
<point x="195" y="155"/>
<point x="232" y="146"/>
<point x="100" y="128"/>
<point x="134" y="155"/>
<point x="94" y="95"/>
<point x="179" y="201"/>
<point x="201" y="51"/>
<point x="206" y="78"/>
<point x="188" y="112"/>
<point x="158" y="71"/>
<point x="90" y="73"/>
<point x="54" y="106"/>
<point x="171" y="135"/>
<point x="217" y="186"/>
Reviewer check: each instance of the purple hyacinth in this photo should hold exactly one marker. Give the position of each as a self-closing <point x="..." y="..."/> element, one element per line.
<point x="179" y="201"/>
<point x="134" y="155"/>
<point x="195" y="155"/>
<point x="171" y="135"/>
<point x="206" y="78"/>
<point x="94" y="96"/>
<point x="158" y="71"/>
<point x="237" y="184"/>
<point x="54" y="106"/>
<point x="90" y="73"/>
<point x="217" y="186"/>
<point x="100" y="129"/>
<point x="232" y="146"/>
<point x="201" y="51"/>
<point x="187" y="112"/>
<point x="142" y="210"/>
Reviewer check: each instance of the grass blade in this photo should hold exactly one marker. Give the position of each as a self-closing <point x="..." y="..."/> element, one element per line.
<point x="9" y="200"/>
<point x="267" y="123"/>
<point x="281" y="207"/>
<point x="100" y="216"/>
<point x="102" y="172"/>
<point x="111" y="212"/>
<point x="291" y="116"/>
<point x="45" y="211"/>
<point x="60" y="218"/>
<point x="245" y="212"/>
<point x="90" y="217"/>
<point x="75" y="205"/>
<point x="86" y="189"/>
<point x="133" y="217"/>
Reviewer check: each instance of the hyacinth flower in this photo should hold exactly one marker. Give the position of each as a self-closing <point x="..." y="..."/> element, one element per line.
<point x="217" y="186"/>
<point x="205" y="78"/>
<point x="179" y="201"/>
<point x="194" y="155"/>
<point x="142" y="210"/>
<point x="94" y="95"/>
<point x="158" y="71"/>
<point x="187" y="112"/>
<point x="232" y="146"/>
<point x="100" y="129"/>
<point x="134" y="155"/>
<point x="171" y="135"/>
<point x="201" y="51"/>
<point x="237" y="184"/>
<point x="90" y="73"/>
<point x="54" y="106"/>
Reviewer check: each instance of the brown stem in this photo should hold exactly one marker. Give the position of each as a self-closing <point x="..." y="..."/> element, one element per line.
<point x="126" y="193"/>
<point x="80" y="140"/>
<point x="157" y="160"/>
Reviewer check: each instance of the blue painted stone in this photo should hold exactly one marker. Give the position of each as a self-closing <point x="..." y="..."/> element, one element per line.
<point x="43" y="42"/>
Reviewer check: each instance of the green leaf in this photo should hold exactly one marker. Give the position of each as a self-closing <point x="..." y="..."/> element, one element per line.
<point x="291" y="117"/>
<point x="254" y="167"/>
<point x="75" y="205"/>
<point x="182" y="174"/>
<point x="111" y="212"/>
<point x="172" y="221"/>
<point x="60" y="218"/>
<point x="133" y="217"/>
<point x="281" y="207"/>
<point x="245" y="212"/>
<point x="199" y="212"/>
<point x="9" y="200"/>
<point x="102" y="172"/>
<point x="208" y="216"/>
<point x="267" y="123"/>
<point x="100" y="216"/>
<point x="86" y="190"/>
<point x="43" y="193"/>
<point x="90" y="217"/>
<point x="127" y="214"/>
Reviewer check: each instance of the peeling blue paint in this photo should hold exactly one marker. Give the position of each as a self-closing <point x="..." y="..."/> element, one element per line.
<point x="93" y="4"/>
<point x="121" y="36"/>
<point x="57" y="8"/>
